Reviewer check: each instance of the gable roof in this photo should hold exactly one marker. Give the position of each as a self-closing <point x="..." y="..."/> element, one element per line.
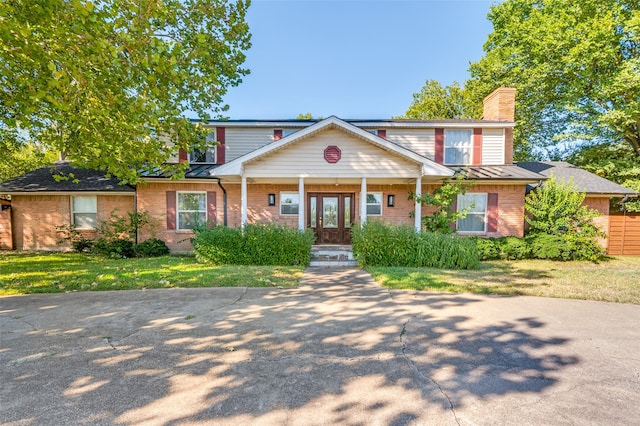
<point x="42" y="180"/>
<point x="585" y="181"/>
<point x="236" y="167"/>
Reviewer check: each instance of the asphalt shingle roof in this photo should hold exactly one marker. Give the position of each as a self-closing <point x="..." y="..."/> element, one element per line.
<point x="42" y="180"/>
<point x="584" y="180"/>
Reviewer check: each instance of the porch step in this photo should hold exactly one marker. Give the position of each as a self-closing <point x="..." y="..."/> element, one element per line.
<point x="332" y="256"/>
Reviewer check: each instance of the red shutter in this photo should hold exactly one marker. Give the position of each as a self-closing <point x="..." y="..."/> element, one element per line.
<point x="211" y="208"/>
<point x="454" y="208"/>
<point x="477" y="147"/>
<point x="221" y="147"/>
<point x="439" y="146"/>
<point x="171" y="209"/>
<point x="182" y="155"/>
<point x="277" y="134"/>
<point x="492" y="212"/>
<point x="382" y="133"/>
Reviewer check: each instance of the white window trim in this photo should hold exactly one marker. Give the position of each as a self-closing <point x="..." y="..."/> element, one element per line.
<point x="289" y="204"/>
<point x="486" y="213"/>
<point x="74" y="212"/>
<point x="178" y="193"/>
<point x="470" y="149"/>
<point x="375" y="204"/>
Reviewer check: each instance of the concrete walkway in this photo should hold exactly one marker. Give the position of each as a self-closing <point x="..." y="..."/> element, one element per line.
<point x="338" y="349"/>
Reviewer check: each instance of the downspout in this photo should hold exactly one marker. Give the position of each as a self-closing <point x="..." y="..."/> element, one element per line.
<point x="135" y="210"/>
<point x="224" y="201"/>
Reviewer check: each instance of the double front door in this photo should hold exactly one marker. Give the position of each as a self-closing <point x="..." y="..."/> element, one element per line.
<point x="331" y="216"/>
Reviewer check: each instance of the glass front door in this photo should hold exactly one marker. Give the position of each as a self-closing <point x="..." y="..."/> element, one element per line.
<point x="330" y="217"/>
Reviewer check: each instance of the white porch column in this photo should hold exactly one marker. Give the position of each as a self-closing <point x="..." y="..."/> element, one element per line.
<point x="243" y="202"/>
<point x="418" y="218"/>
<point x="363" y="201"/>
<point x="301" y="210"/>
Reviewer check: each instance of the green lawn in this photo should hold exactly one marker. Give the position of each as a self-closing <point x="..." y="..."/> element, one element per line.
<point x="613" y="280"/>
<point x="23" y="273"/>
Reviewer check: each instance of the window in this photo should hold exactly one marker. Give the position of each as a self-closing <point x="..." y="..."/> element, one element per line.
<point x="192" y="209"/>
<point x="84" y="211"/>
<point x="205" y="155"/>
<point x="476" y="220"/>
<point x="287" y="132"/>
<point x="458" y="146"/>
<point x="374" y="204"/>
<point x="289" y="203"/>
<point x="373" y="131"/>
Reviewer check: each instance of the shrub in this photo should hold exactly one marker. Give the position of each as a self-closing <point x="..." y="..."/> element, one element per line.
<point x="488" y="248"/>
<point x="153" y="247"/>
<point x="258" y="244"/>
<point x="118" y="248"/>
<point x="380" y="244"/>
<point x="564" y="247"/>
<point x="514" y="248"/>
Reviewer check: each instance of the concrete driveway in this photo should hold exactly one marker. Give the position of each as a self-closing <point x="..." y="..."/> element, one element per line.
<point x="336" y="350"/>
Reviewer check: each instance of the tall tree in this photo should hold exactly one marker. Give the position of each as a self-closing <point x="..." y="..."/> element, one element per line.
<point x="109" y="82"/>
<point x="576" y="66"/>
<point x="20" y="156"/>
<point x="435" y="102"/>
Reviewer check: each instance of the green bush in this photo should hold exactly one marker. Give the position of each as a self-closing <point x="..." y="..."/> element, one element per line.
<point x="380" y="244"/>
<point x="564" y="247"/>
<point x="514" y="248"/>
<point x="153" y="247"/>
<point x="118" y="248"/>
<point x="488" y="248"/>
<point x="258" y="244"/>
<point x="539" y="246"/>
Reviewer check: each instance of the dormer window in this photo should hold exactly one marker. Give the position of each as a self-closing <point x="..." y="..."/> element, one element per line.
<point x="458" y="147"/>
<point x="206" y="155"/>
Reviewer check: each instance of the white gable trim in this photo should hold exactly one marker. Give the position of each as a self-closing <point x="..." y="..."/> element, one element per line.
<point x="236" y="167"/>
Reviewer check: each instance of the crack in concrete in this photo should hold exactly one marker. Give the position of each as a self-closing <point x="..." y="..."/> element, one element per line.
<point x="107" y="340"/>
<point x="423" y="376"/>
<point x="246" y="289"/>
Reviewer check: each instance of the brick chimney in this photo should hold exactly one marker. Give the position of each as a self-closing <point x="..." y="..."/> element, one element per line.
<point x="500" y="105"/>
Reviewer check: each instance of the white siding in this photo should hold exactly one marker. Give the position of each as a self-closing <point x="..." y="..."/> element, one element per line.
<point x="492" y="147"/>
<point x="306" y="158"/>
<point x="240" y="141"/>
<point x="420" y="141"/>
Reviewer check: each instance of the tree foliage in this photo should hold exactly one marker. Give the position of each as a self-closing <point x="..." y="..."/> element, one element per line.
<point x="109" y="82"/>
<point x="435" y="102"/>
<point x="20" y="156"/>
<point x="615" y="162"/>
<point x="576" y="66"/>
<point x="556" y="208"/>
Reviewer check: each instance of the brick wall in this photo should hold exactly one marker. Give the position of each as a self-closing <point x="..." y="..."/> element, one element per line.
<point x="601" y="204"/>
<point x="35" y="218"/>
<point x="152" y="198"/>
<point x="510" y="208"/>
<point x="6" y="237"/>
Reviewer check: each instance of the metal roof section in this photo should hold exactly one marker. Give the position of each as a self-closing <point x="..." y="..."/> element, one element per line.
<point x="502" y="172"/>
<point x="585" y="181"/>
<point x="84" y="180"/>
<point x="195" y="171"/>
<point x="236" y="167"/>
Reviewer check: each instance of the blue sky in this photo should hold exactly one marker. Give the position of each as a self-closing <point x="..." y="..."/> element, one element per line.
<point x="354" y="59"/>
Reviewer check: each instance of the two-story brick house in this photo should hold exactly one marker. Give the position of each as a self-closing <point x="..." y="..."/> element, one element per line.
<point x="327" y="175"/>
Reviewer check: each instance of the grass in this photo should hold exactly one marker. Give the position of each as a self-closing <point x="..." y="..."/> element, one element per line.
<point x="614" y="280"/>
<point x="25" y="273"/>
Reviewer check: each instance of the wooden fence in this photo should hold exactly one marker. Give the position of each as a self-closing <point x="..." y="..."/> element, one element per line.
<point x="624" y="235"/>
